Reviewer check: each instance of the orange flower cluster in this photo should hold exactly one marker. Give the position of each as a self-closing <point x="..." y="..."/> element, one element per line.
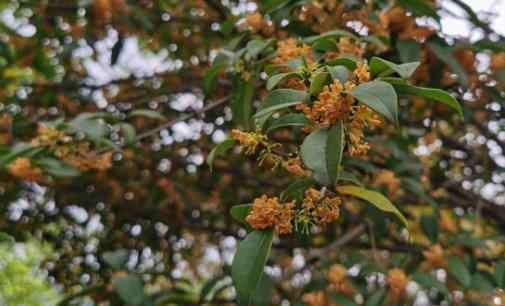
<point x="294" y="166"/>
<point x="319" y="209"/>
<point x="250" y="141"/>
<point x="331" y="105"/>
<point x="316" y="298"/>
<point x="397" y="281"/>
<point x="337" y="276"/>
<point x="5" y="128"/>
<point x="397" y="20"/>
<point x="258" y="24"/>
<point x="435" y="256"/>
<point x="347" y="46"/>
<point x="388" y="179"/>
<point x="447" y="222"/>
<point x="23" y="169"/>
<point x="79" y="155"/>
<point x="320" y="15"/>
<point x="362" y="117"/>
<point x="268" y="212"/>
<point x="288" y="49"/>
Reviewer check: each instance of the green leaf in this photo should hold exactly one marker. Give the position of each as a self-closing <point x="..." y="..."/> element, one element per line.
<point x="429" y="224"/>
<point x="409" y="50"/>
<point x="374" y="198"/>
<point x="209" y="287"/>
<point x="90" y="126"/>
<point x="428" y="281"/>
<point x="279" y="99"/>
<point x="313" y="152"/>
<point x="296" y="189"/>
<point x="240" y="212"/>
<point x="349" y="177"/>
<point x="377" y="298"/>
<point x="459" y="271"/>
<point x="288" y="120"/>
<point x="317" y="82"/>
<point x="116" y="259"/>
<point x="128" y="131"/>
<point x="445" y="54"/>
<point x="257" y="46"/>
<point x="148" y="113"/>
<point x="340" y="73"/>
<point x="430" y="93"/>
<point x="263" y="294"/>
<point x="57" y="168"/>
<point x="334" y="151"/>
<point x="248" y="264"/>
<point x="210" y="77"/>
<point x="330" y="34"/>
<point x="19" y="150"/>
<point x="342" y="300"/>
<point x="481" y="283"/>
<point x="218" y="150"/>
<point x="499" y="273"/>
<point x="381" y="66"/>
<point x="130" y="289"/>
<point x="325" y="45"/>
<point x="349" y="62"/>
<point x="275" y="79"/>
<point x="242" y="99"/>
<point x="379" y="96"/>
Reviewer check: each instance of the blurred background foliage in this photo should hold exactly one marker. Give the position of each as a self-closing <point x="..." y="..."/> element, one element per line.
<point x="119" y="207"/>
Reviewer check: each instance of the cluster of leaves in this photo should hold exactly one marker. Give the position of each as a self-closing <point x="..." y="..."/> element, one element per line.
<point x="108" y="166"/>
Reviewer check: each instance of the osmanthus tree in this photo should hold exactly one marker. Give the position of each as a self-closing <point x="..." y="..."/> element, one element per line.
<point x="354" y="151"/>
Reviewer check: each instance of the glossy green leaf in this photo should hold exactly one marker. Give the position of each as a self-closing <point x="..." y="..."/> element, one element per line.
<point x="343" y="300"/>
<point x="445" y="54"/>
<point x="116" y="259"/>
<point x="375" y="198"/>
<point x="313" y="153"/>
<point x="288" y="120"/>
<point x="210" y="77"/>
<point x="57" y="168"/>
<point x="128" y="131"/>
<point x="296" y="189"/>
<point x="240" y="212"/>
<point x="242" y="99"/>
<point x="482" y="283"/>
<point x="148" y="113"/>
<point x="219" y="149"/>
<point x="275" y="79"/>
<point x="430" y="93"/>
<point x="330" y="34"/>
<point x="428" y="281"/>
<point x="279" y="99"/>
<point x="379" y="96"/>
<point x="409" y="50"/>
<point x="429" y="224"/>
<point x="248" y="264"/>
<point x="340" y="73"/>
<point x="130" y="289"/>
<point x="19" y="150"/>
<point x="376" y="298"/>
<point x="349" y="177"/>
<point x="334" y="151"/>
<point x="317" y="82"/>
<point x="346" y="61"/>
<point x="459" y="271"/>
<point x="325" y="45"/>
<point x="499" y="273"/>
<point x="209" y="287"/>
<point x="381" y="66"/>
